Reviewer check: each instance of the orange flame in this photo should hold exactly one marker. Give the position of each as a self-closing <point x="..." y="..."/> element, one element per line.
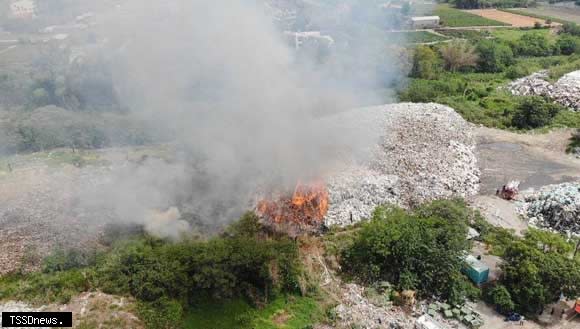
<point x="308" y="205"/>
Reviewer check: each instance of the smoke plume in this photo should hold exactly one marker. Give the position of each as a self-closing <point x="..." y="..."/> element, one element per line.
<point x="242" y="106"/>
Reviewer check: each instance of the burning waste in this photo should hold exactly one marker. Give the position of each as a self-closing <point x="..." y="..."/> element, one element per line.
<point x="302" y="210"/>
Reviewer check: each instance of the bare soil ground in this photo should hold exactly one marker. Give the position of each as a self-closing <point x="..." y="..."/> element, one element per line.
<point x="505" y="17"/>
<point x="533" y="159"/>
<point x="571" y="14"/>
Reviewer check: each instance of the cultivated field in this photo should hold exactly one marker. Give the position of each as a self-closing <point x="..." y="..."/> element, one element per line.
<point x="452" y="17"/>
<point x="507" y="18"/>
<point x="557" y="11"/>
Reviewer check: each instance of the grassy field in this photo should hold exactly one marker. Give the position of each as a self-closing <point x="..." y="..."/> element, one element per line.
<point x="466" y="34"/>
<point x="452" y="17"/>
<point x="515" y="34"/>
<point x="289" y="312"/>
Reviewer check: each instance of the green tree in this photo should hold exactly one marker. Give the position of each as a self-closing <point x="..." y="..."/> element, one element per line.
<point x="426" y="63"/>
<point x="502" y="299"/>
<point x="533" y="44"/>
<point x="535" y="112"/>
<point x="421" y="250"/>
<point x="535" y="278"/>
<point x="494" y="56"/>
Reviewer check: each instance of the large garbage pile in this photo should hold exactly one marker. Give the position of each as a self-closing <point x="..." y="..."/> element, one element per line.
<point x="535" y="84"/>
<point x="554" y="207"/>
<point x="565" y="91"/>
<point x="421" y="152"/>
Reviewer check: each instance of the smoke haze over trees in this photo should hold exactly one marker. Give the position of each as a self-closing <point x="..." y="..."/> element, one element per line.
<point x="222" y="82"/>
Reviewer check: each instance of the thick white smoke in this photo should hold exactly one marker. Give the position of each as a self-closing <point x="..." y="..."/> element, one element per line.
<point x="219" y="78"/>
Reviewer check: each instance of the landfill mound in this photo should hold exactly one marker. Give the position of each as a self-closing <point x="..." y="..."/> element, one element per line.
<point x="554" y="207"/>
<point x="421" y="152"/>
<point x="565" y="91"/>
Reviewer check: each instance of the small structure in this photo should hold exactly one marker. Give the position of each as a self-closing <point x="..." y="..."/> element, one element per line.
<point x="425" y="22"/>
<point x="23" y="8"/>
<point x="427" y="322"/>
<point x="476" y="270"/>
<point x="509" y="191"/>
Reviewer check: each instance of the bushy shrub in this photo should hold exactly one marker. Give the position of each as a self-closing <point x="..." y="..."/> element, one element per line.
<point x="426" y="63"/>
<point x="500" y="297"/>
<point x="63" y="260"/>
<point x="519" y="71"/>
<point x="239" y="264"/>
<point x="423" y="91"/>
<point x="571" y="28"/>
<point x="535" y="112"/>
<point x="533" y="44"/>
<point x="494" y="56"/>
<point x="161" y="314"/>
<point x="568" y="44"/>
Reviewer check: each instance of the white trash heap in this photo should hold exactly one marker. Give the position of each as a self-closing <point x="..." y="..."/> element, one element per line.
<point x="553" y="207"/>
<point x="565" y="91"/>
<point x="422" y="152"/>
<point x="355" y="310"/>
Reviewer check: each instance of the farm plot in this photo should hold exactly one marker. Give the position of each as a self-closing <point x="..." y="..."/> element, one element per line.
<point x="451" y="17"/>
<point x="558" y="12"/>
<point x="507" y="18"/>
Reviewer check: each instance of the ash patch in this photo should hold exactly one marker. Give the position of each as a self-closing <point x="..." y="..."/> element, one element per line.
<point x="420" y="152"/>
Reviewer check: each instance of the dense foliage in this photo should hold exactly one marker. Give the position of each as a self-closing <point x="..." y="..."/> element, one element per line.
<point x="536" y="269"/>
<point x="420" y="250"/>
<point x="171" y="276"/>
<point x="535" y="112"/>
<point x="494" y="56"/>
<point x="536" y="276"/>
<point x="445" y="74"/>
<point x="426" y="63"/>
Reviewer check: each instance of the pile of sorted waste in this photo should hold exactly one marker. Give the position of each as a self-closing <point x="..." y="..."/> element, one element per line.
<point x="535" y="84"/>
<point x="420" y="152"/>
<point x="554" y="207"/>
<point x="450" y="315"/>
<point x="356" y="310"/>
<point x="565" y="91"/>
